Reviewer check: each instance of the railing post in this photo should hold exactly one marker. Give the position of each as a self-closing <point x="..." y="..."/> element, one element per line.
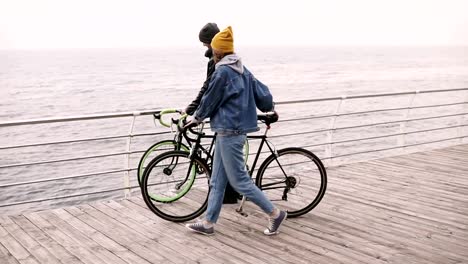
<point x="329" y="147"/>
<point x="462" y="117"/>
<point x="402" y="137"/>
<point x="126" y="179"/>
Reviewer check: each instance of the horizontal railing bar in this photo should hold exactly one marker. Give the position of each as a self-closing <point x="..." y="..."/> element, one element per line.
<point x="62" y="142"/>
<point x="368" y="138"/>
<point x="72" y="159"/>
<point x="369" y="111"/>
<point x="168" y="132"/>
<point x="69" y="177"/>
<point x="366" y="112"/>
<point x="368" y="96"/>
<point x="83" y="140"/>
<point x="397" y="147"/>
<point x="393" y="109"/>
<point x="149" y="112"/>
<point x="407" y="120"/>
<point x="64" y="160"/>
<point x="293" y="134"/>
<point x="367" y="125"/>
<point x="77" y="118"/>
<point x="384" y="136"/>
<point x="64" y="178"/>
<point x="66" y="196"/>
<point x="301" y="133"/>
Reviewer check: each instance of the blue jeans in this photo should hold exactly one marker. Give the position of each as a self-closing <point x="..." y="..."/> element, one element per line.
<point x="228" y="165"/>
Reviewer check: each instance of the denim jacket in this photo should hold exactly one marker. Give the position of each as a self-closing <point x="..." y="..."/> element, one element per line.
<point x="232" y="98"/>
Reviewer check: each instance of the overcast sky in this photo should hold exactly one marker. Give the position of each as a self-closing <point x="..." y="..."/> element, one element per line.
<point x="26" y="24"/>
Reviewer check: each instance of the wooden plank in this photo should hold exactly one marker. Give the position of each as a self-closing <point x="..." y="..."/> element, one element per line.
<point x="258" y="249"/>
<point x="405" y="209"/>
<point x="6" y="256"/>
<point x="132" y="242"/>
<point x="29" y="243"/>
<point x="406" y="174"/>
<point x="446" y="191"/>
<point x="98" y="250"/>
<point x="213" y="242"/>
<point x="400" y="198"/>
<point x="422" y="245"/>
<point x="199" y="253"/>
<point x="101" y="239"/>
<point x="164" y="240"/>
<point x="286" y="239"/>
<point x="47" y="242"/>
<point x="350" y="255"/>
<point x="303" y="237"/>
<point x="166" y="249"/>
<point x="412" y="223"/>
<point x="370" y="220"/>
<point x="14" y="247"/>
<point x="84" y="254"/>
<point x="405" y="206"/>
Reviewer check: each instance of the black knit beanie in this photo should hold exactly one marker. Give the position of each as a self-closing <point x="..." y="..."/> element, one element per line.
<point x="208" y="32"/>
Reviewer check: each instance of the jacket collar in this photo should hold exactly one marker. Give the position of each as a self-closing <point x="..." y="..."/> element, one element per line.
<point x="233" y="61"/>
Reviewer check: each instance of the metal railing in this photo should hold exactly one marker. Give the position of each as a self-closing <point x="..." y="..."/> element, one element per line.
<point x="456" y="108"/>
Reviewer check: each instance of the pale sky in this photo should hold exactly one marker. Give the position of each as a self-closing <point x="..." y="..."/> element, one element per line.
<point x="37" y="24"/>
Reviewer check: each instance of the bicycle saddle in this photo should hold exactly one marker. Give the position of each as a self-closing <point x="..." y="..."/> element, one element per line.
<point x="268" y="118"/>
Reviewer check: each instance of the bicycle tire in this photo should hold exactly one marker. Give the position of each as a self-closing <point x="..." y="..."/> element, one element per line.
<point x="185" y="202"/>
<point x="151" y="152"/>
<point x="306" y="178"/>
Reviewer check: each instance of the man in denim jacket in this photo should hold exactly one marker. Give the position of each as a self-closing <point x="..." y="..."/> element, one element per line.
<point x="231" y="103"/>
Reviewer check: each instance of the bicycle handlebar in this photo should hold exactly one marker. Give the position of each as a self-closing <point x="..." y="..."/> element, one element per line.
<point x="267" y="118"/>
<point x="163" y="112"/>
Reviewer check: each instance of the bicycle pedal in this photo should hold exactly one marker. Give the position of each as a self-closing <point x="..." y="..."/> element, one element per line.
<point x="244" y="214"/>
<point x="241" y="212"/>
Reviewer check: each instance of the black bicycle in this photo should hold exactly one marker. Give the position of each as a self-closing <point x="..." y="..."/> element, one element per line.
<point x="181" y="141"/>
<point x="175" y="184"/>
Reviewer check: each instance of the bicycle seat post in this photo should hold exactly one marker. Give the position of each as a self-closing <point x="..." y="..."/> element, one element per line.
<point x="266" y="130"/>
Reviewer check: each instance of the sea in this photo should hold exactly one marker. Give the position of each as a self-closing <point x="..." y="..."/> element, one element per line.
<point x="36" y="84"/>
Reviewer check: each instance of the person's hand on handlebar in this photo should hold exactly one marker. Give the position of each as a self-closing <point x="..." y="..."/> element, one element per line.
<point x="191" y="122"/>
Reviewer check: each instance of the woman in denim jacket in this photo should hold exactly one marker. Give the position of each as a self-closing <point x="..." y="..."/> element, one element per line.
<point x="231" y="103"/>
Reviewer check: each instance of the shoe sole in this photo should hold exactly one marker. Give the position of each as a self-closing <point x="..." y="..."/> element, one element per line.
<point x="271" y="234"/>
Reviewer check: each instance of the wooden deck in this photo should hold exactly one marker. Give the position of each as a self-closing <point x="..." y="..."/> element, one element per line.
<point x="404" y="209"/>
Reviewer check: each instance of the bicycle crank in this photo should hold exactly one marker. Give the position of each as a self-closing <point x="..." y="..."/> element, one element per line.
<point x="291" y="182"/>
<point x="167" y="171"/>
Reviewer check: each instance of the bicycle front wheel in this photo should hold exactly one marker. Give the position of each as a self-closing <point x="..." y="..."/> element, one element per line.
<point x="175" y="187"/>
<point x="295" y="180"/>
<point x="154" y="150"/>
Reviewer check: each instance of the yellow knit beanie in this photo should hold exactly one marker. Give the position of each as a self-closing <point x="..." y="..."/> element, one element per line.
<point x="223" y="41"/>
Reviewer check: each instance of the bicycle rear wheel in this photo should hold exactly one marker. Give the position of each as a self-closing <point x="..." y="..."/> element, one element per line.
<point x="176" y="188"/>
<point x="295" y="180"/>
